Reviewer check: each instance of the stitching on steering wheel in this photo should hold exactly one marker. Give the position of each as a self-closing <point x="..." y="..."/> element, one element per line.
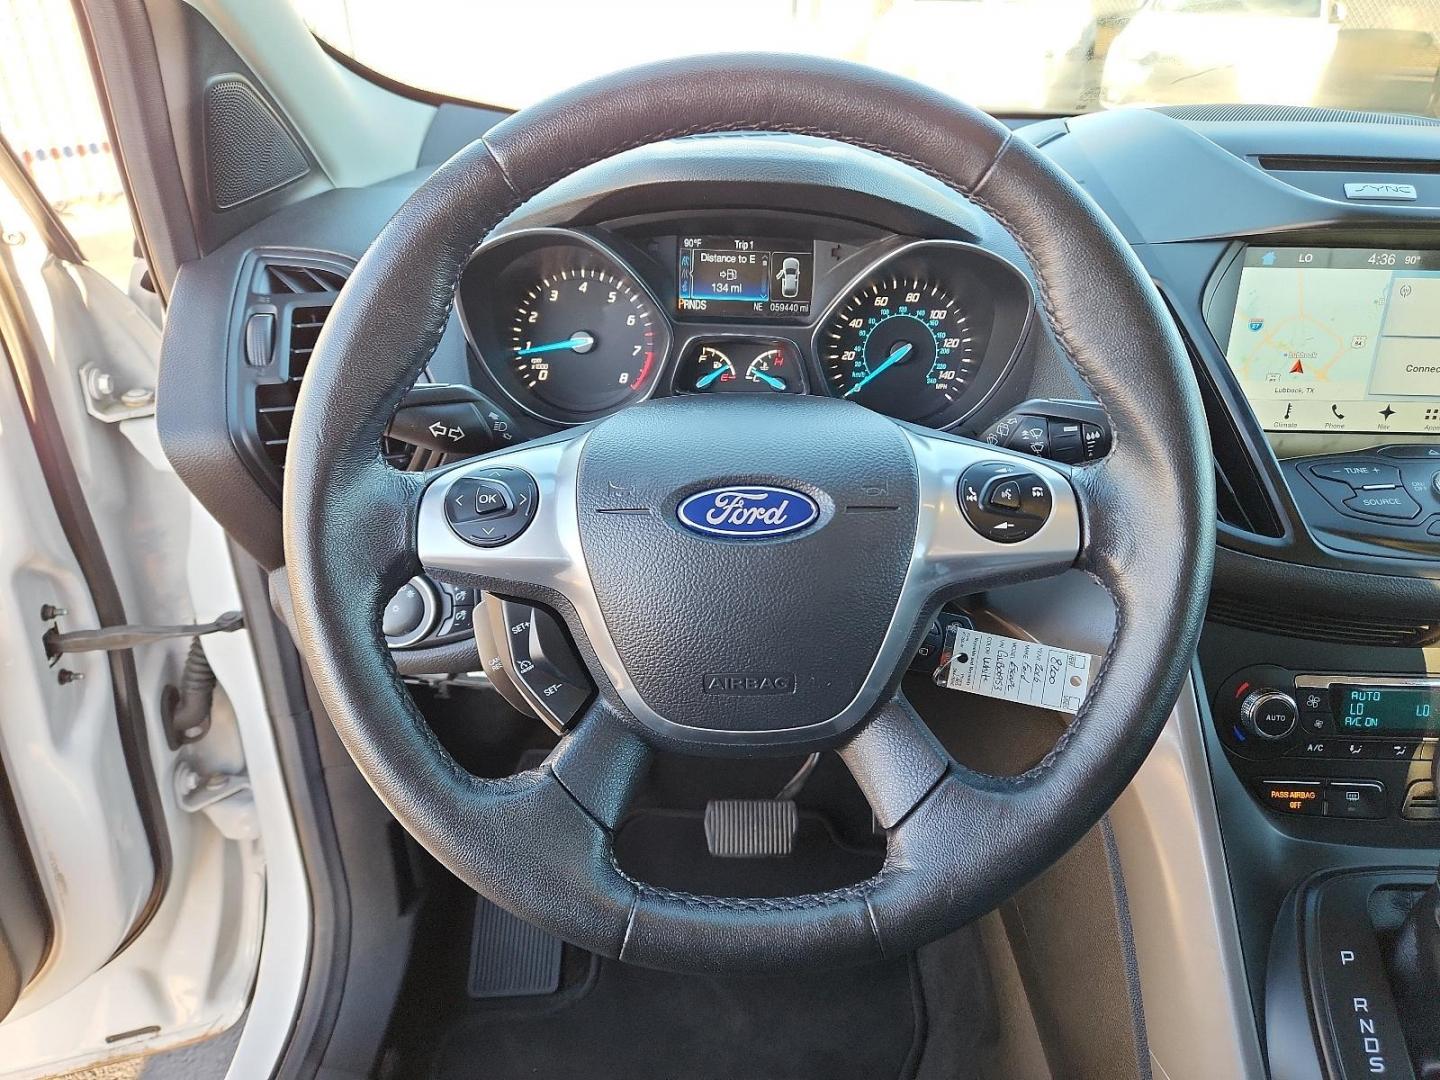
<point x="828" y="898"/>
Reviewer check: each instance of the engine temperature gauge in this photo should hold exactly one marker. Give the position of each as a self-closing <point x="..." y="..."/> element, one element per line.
<point x="766" y="370"/>
<point x="735" y="366"/>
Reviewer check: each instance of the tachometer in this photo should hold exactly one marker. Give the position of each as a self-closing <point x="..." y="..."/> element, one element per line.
<point x="584" y="339"/>
<point x="900" y="345"/>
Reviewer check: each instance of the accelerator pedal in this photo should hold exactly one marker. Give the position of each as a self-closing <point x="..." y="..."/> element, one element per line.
<point x="751" y="828"/>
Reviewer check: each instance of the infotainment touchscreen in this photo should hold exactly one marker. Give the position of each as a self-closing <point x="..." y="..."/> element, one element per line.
<point x="1339" y="339"/>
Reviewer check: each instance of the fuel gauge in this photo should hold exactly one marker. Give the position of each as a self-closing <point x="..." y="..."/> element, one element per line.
<point x="712" y="366"/>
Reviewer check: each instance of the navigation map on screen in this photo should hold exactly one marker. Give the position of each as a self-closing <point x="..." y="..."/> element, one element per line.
<point x="1339" y="339"/>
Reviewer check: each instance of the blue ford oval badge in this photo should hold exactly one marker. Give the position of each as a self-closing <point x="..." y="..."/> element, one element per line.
<point x="746" y="513"/>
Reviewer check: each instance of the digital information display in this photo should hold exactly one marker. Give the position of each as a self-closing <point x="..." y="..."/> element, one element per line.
<point x="1339" y="339"/>
<point x="729" y="276"/>
<point x="1385" y="710"/>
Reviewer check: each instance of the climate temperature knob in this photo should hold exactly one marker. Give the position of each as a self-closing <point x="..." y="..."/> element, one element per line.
<point x="1269" y="714"/>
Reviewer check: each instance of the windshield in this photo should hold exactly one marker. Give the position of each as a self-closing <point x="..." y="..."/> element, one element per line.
<point x="1008" y="56"/>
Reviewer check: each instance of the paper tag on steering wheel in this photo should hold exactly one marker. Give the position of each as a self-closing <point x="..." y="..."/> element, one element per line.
<point x="1013" y="670"/>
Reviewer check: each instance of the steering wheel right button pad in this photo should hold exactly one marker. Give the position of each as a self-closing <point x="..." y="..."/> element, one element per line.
<point x="1004" y="503"/>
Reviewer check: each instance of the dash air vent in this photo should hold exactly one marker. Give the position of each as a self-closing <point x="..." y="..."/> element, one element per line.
<point x="278" y="279"/>
<point x="298" y="297"/>
<point x="275" y="401"/>
<point x="1343" y="628"/>
<point x="288" y="298"/>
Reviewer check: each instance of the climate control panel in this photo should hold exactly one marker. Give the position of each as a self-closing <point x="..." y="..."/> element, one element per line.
<point x="1341" y="745"/>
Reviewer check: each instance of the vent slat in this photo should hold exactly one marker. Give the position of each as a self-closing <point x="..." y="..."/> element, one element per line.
<point x="279" y="279"/>
<point x="275" y="402"/>
<point x="1320" y="626"/>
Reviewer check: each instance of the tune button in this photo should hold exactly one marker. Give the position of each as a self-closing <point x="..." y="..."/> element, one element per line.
<point x="1269" y="714"/>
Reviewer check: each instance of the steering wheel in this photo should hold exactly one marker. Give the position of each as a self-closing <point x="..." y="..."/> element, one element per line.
<point x="828" y="613"/>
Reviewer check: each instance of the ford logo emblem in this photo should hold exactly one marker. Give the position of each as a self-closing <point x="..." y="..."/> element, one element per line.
<point x="745" y="513"/>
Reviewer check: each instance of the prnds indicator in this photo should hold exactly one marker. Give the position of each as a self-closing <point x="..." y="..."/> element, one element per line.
<point x="744" y="276"/>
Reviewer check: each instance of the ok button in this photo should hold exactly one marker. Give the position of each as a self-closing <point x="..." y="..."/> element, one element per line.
<point x="493" y="498"/>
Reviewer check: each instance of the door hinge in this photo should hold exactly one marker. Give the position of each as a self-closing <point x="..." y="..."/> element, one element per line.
<point x="107" y="402"/>
<point x="225" y="798"/>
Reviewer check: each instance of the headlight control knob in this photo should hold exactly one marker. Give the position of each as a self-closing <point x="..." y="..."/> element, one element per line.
<point x="1269" y="714"/>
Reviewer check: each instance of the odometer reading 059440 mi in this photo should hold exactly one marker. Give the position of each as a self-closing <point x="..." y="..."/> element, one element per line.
<point x="900" y="346"/>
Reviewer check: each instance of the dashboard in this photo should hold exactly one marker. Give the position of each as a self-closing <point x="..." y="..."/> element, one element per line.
<point x="573" y="324"/>
<point x="778" y="265"/>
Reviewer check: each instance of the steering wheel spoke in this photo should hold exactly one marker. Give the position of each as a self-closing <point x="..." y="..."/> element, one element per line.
<point x="508" y="518"/>
<point x="896" y="760"/>
<point x="600" y="762"/>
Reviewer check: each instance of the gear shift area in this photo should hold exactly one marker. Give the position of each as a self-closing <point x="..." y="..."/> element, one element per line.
<point x="1353" y="984"/>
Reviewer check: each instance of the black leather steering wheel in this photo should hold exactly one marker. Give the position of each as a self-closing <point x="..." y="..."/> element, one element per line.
<point x="837" y="606"/>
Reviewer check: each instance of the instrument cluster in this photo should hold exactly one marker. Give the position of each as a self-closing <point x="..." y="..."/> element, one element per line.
<point x="573" y="324"/>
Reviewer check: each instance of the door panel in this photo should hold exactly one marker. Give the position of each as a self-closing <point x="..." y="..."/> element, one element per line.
<point x="24" y="918"/>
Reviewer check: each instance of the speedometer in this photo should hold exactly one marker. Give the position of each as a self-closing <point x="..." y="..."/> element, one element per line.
<point x="901" y="345"/>
<point x="583" y="339"/>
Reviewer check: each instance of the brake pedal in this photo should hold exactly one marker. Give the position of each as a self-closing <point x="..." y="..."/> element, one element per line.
<point x="751" y="828"/>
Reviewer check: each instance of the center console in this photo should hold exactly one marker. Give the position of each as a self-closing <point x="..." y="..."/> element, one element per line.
<point x="1324" y="721"/>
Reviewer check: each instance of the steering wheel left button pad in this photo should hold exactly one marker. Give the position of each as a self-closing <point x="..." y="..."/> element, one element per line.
<point x="538" y="661"/>
<point x="492" y="507"/>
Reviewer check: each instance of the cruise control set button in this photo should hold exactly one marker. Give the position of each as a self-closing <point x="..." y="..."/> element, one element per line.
<point x="1003" y="503"/>
<point x="540" y="661"/>
<point x="492" y="507"/>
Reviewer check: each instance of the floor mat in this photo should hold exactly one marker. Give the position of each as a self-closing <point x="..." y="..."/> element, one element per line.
<point x="629" y="1023"/>
<point x="612" y="1021"/>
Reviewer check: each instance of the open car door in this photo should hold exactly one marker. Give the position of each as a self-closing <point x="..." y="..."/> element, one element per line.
<point x="132" y="878"/>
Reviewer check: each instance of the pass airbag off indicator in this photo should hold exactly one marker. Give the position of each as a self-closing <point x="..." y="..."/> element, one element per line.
<point x="1292" y="796"/>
